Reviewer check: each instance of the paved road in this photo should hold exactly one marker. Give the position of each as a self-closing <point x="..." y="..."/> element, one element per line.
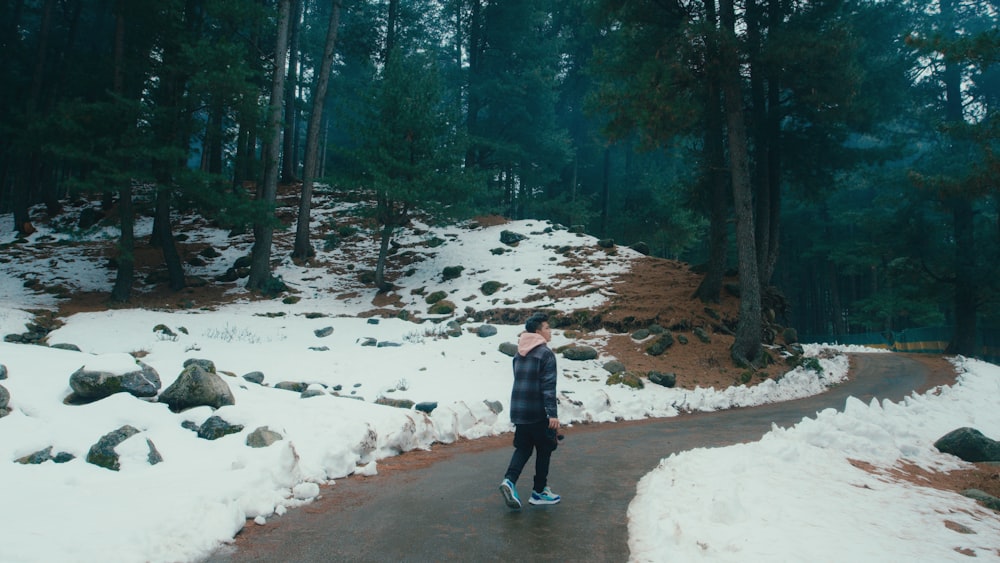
<point x="444" y="505"/>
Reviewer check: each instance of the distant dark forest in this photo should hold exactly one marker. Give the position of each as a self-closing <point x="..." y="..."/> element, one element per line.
<point x="840" y="155"/>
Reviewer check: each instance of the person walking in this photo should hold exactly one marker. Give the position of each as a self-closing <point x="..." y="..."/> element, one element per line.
<point x="533" y="411"/>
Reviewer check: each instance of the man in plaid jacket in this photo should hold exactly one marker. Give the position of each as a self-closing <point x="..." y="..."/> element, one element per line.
<point x="533" y="411"/>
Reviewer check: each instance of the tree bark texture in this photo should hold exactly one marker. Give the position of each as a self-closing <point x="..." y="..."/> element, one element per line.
<point x="747" y="346"/>
<point x="303" y="248"/>
<point x="263" y="229"/>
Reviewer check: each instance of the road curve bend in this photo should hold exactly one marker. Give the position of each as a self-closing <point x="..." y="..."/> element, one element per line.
<point x="444" y="505"/>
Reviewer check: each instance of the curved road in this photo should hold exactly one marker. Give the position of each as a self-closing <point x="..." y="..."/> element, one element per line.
<point x="444" y="505"/>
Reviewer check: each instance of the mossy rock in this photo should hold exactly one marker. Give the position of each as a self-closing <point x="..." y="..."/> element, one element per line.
<point x="702" y="335"/>
<point x="452" y="272"/>
<point x="664" y="379"/>
<point x="398" y="403"/>
<point x="626" y="378"/>
<point x="490" y="287"/>
<point x="660" y="345"/>
<point x="443" y="307"/>
<point x="435" y="297"/>
<point x="580" y="353"/>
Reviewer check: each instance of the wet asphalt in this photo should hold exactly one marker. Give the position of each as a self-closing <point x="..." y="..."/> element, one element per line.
<point x="451" y="510"/>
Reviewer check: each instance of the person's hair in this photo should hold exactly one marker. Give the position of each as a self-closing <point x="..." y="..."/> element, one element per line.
<point x="535" y="321"/>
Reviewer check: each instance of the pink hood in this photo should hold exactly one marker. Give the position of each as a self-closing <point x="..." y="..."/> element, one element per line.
<point x="528" y="342"/>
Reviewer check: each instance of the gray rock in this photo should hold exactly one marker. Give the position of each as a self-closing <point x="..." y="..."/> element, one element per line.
<point x="496" y="407"/>
<point x="312" y="393"/>
<point x="3" y="371"/>
<point x="4" y="397"/>
<point x="508" y="349"/>
<point x="216" y="427"/>
<point x="103" y="454"/>
<point x="294" y="386"/>
<point x="372" y="321"/>
<point x="398" y="403"/>
<point x="367" y="341"/>
<point x="486" y="331"/>
<point x="153" y="457"/>
<point x="323" y="332"/>
<point x="91" y="386"/>
<point x="320" y="348"/>
<point x="511" y="238"/>
<point x="453" y="329"/>
<point x="254" y="377"/>
<point x="641" y="248"/>
<point x="614" y="366"/>
<point x="65" y="346"/>
<point x="388" y="344"/>
<point x="427" y="407"/>
<point x="660" y="345"/>
<point x="969" y="444"/>
<point x="580" y="353"/>
<point x="196" y="387"/>
<point x="263" y="437"/>
<point x="207" y="365"/>
<point x="702" y="334"/>
<point x="664" y="379"/>
<point x="41" y="456"/>
<point x="641" y="334"/>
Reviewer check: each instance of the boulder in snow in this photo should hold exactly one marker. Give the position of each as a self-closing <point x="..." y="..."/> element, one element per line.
<point x="94" y="384"/>
<point x="969" y="444"/>
<point x="196" y="387"/>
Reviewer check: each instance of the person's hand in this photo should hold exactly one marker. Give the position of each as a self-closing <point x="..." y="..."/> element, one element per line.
<point x="554" y="423"/>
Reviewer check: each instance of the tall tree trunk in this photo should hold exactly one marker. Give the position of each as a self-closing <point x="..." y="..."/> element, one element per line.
<point x="714" y="157"/>
<point x="746" y="348"/>
<point x="303" y="249"/>
<point x="28" y="169"/>
<point x="963" y="340"/>
<point x="475" y="70"/>
<point x="605" y="191"/>
<point x="125" y="275"/>
<point x="263" y="229"/>
<point x="172" y="130"/>
<point x="289" y="161"/>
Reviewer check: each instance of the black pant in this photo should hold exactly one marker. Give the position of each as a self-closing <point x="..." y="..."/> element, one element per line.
<point x="528" y="437"/>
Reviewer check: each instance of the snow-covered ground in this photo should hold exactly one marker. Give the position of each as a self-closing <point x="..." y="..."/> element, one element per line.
<point x="792" y="496"/>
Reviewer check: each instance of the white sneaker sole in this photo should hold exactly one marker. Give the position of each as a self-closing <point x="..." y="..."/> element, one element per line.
<point x="508" y="496"/>
<point x="540" y="501"/>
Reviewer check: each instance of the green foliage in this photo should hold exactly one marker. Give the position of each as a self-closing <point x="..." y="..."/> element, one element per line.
<point x="452" y="272"/>
<point x="490" y="287"/>
<point x="435" y="297"/>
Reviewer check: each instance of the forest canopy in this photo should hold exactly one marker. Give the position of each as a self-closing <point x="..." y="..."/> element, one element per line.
<point x="840" y="155"/>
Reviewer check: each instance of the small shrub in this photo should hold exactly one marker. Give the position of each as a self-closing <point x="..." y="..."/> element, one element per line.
<point x="812" y="364"/>
<point x="452" y="272"/>
<point x="435" y="297"/>
<point x="443" y="307"/>
<point x="626" y="378"/>
<point x="490" y="287"/>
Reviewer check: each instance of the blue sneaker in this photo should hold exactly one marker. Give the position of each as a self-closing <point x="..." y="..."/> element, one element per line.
<point x="544" y="497"/>
<point x="510" y="494"/>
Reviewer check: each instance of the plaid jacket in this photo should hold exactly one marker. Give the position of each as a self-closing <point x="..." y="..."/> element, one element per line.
<point x="533" y="397"/>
